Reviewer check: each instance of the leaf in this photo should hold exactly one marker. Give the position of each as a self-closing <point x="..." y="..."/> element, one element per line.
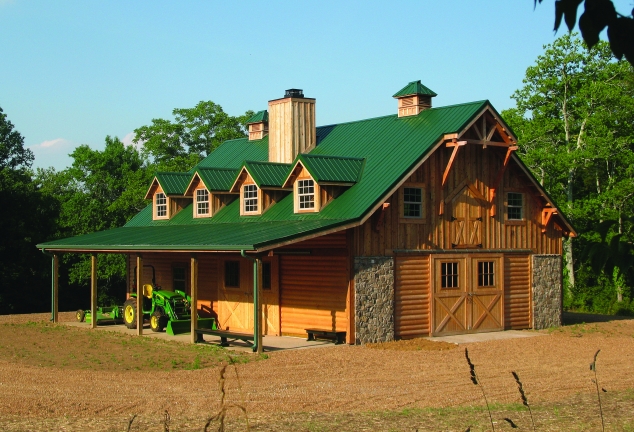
<point x="588" y="30"/>
<point x="570" y="13"/>
<point x="621" y="37"/>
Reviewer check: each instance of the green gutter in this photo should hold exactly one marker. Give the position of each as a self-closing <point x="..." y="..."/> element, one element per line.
<point x="256" y="327"/>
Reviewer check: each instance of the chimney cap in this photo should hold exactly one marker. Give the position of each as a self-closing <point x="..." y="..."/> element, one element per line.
<point x="414" y="88"/>
<point x="294" y="93"/>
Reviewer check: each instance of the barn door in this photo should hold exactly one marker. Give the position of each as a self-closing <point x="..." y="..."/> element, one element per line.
<point x="467" y="294"/>
<point x="235" y="294"/>
<point x="450" y="294"/>
<point x="466" y="220"/>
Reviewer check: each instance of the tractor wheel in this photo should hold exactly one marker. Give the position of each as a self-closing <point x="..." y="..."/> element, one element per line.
<point x="129" y="313"/>
<point x="80" y="315"/>
<point x="158" y="321"/>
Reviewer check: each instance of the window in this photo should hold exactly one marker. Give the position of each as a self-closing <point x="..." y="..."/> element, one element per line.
<point x="202" y="202"/>
<point x="161" y="205"/>
<point x="178" y="278"/>
<point x="306" y="194"/>
<point x="449" y="275"/>
<point x="514" y="206"/>
<point x="250" y="195"/>
<point x="412" y="202"/>
<point x="266" y="276"/>
<point x="232" y="274"/>
<point x="486" y="274"/>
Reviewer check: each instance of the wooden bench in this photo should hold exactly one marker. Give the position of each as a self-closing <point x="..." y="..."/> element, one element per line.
<point x="225" y="336"/>
<point x="338" y="336"/>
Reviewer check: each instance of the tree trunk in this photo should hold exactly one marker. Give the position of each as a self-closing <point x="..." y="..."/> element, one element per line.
<point x="568" y="243"/>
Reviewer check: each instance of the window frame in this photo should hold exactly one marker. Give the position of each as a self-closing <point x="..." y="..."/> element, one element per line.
<point x="423" y="203"/>
<point x="197" y="202"/>
<point x="243" y="200"/>
<point x="486" y="269"/>
<point x="300" y="195"/>
<point x="226" y="274"/>
<point x="183" y="267"/>
<point x="455" y="276"/>
<point x="522" y="208"/>
<point x="156" y="205"/>
<point x="304" y="176"/>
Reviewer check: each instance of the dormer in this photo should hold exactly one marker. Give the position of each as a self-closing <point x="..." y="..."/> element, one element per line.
<point x="209" y="190"/>
<point x="318" y="179"/>
<point x="167" y="193"/>
<point x="258" y="125"/>
<point x="413" y="98"/>
<point x="292" y="128"/>
<point x="260" y="186"/>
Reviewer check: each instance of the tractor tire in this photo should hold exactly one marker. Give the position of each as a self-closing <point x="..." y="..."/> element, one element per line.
<point x="158" y="321"/>
<point x="129" y="313"/>
<point x="80" y="315"/>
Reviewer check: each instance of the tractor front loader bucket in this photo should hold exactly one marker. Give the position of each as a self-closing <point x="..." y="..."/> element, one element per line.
<point x="175" y="327"/>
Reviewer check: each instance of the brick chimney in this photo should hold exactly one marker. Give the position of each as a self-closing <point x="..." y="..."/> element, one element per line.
<point x="413" y="98"/>
<point x="292" y="128"/>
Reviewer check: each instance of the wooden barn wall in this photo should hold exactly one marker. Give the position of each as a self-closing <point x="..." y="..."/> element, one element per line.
<point x="381" y="235"/>
<point x="165" y="262"/>
<point x="412" y="296"/>
<point x="315" y="288"/>
<point x="517" y="292"/>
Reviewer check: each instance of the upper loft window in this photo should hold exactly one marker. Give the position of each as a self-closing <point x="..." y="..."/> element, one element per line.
<point x="160" y="202"/>
<point x="306" y="194"/>
<point x="412" y="202"/>
<point x="515" y="206"/>
<point x="250" y="198"/>
<point x="202" y="202"/>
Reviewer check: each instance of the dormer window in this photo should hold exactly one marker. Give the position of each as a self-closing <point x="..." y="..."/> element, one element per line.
<point x="202" y="202"/>
<point x="160" y="203"/>
<point x="306" y="194"/>
<point x="250" y="198"/>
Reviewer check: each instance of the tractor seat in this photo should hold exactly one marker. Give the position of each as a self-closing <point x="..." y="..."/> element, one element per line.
<point x="147" y="290"/>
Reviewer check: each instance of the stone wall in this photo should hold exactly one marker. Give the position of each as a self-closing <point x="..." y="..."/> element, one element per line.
<point x="547" y="291"/>
<point x="374" y="299"/>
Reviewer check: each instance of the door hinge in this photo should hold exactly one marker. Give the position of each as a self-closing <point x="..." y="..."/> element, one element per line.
<point x="453" y="218"/>
<point x="479" y="219"/>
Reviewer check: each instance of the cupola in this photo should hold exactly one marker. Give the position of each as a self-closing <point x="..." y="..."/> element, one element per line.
<point x="413" y="98"/>
<point x="292" y="128"/>
<point x="258" y="125"/>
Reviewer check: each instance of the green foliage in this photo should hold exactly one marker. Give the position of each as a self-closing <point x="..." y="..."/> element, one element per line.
<point x="597" y="15"/>
<point x="574" y="118"/>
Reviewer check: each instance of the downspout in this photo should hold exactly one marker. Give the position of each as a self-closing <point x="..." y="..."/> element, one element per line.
<point x="52" y="283"/>
<point x="256" y="329"/>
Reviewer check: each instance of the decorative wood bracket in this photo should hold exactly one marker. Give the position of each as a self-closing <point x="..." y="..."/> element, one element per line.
<point x="498" y="178"/>
<point x="456" y="145"/>
<point x="547" y="214"/>
<point x="381" y="216"/>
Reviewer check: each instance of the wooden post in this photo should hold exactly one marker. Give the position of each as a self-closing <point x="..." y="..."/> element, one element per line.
<point x="93" y="291"/>
<point x="139" y="295"/>
<point x="55" y="288"/>
<point x="259" y="306"/>
<point x="194" y="296"/>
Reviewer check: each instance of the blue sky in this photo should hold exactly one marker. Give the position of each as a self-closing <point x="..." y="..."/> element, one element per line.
<point x="72" y="72"/>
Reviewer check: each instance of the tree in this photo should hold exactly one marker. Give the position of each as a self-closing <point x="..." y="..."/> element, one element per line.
<point x="573" y="118"/>
<point x="28" y="217"/>
<point x="196" y="132"/>
<point x="597" y="15"/>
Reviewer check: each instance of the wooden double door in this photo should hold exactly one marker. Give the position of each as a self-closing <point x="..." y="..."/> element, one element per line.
<point x="467" y="294"/>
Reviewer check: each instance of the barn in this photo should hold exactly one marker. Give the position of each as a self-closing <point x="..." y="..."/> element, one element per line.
<point x="424" y="222"/>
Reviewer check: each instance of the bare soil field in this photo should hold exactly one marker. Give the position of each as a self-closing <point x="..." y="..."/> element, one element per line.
<point x="53" y="377"/>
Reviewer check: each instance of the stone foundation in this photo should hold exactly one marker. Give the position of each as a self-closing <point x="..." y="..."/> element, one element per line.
<point x="374" y="299"/>
<point x="547" y="291"/>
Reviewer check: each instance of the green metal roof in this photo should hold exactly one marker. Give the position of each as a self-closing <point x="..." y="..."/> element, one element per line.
<point x="260" y="116"/>
<point x="173" y="183"/>
<point x="267" y="174"/>
<point x="325" y="168"/>
<point x="217" y="179"/>
<point x="415" y="87"/>
<point x="389" y="146"/>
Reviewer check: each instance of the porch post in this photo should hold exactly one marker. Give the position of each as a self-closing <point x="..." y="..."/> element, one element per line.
<point x="258" y="306"/>
<point x="139" y="295"/>
<point x="55" y="288"/>
<point x="93" y="290"/>
<point x="194" y="296"/>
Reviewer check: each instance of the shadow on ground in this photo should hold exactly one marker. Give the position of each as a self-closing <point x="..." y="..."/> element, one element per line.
<point x="570" y="318"/>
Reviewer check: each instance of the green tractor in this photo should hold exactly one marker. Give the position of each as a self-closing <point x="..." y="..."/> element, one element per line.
<point x="166" y="310"/>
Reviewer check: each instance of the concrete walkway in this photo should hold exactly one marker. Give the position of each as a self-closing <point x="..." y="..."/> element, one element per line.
<point x="269" y="343"/>
<point x="483" y="337"/>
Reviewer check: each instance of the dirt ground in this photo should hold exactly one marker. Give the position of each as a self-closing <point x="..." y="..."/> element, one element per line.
<point x="412" y="385"/>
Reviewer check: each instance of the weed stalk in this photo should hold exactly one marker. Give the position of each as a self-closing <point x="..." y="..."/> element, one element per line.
<point x="475" y="381"/>
<point x="520" y="387"/>
<point x="593" y="367"/>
